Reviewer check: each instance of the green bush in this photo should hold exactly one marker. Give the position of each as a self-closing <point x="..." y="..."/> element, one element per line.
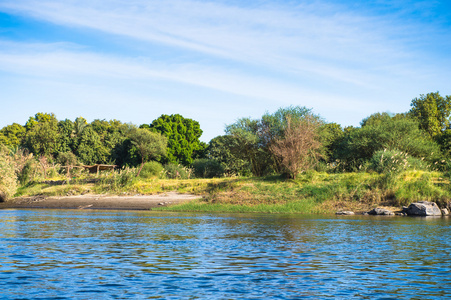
<point x="422" y="188"/>
<point x="27" y="173"/>
<point x="8" y="177"/>
<point x="173" y="171"/>
<point x="394" y="161"/>
<point x="207" y="168"/>
<point x="151" y="169"/>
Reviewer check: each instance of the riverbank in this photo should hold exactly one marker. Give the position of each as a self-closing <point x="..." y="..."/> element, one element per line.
<point x="91" y="201"/>
<point x="311" y="193"/>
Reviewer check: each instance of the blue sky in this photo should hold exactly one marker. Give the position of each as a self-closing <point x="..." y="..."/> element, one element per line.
<point x="217" y="61"/>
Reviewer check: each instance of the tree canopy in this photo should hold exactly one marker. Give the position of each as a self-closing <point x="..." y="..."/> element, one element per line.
<point x="183" y="137"/>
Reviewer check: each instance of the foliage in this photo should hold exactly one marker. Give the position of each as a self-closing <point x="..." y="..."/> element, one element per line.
<point x="298" y="148"/>
<point x="28" y="172"/>
<point x="329" y="135"/>
<point x="358" y="145"/>
<point x="43" y="137"/>
<point x="150" y="145"/>
<point x="67" y="159"/>
<point x="173" y="171"/>
<point x="207" y="168"/>
<point x="394" y="161"/>
<point x="8" y="176"/>
<point x="119" y="179"/>
<point x="418" y="186"/>
<point x="254" y="138"/>
<point x="66" y="135"/>
<point x="247" y="145"/>
<point x="224" y="149"/>
<point x="12" y="135"/>
<point x="151" y="169"/>
<point x="432" y="112"/>
<point x="183" y="137"/>
<point x="89" y="147"/>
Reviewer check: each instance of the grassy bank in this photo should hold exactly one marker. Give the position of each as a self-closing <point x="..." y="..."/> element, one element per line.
<point x="311" y="193"/>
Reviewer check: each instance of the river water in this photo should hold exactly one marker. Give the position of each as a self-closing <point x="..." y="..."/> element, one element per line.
<point x="89" y="254"/>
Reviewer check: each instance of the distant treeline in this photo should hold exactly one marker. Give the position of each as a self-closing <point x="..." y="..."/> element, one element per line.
<point x="289" y="141"/>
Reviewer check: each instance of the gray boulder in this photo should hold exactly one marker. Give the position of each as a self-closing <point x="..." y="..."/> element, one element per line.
<point x="381" y="212"/>
<point x="445" y="211"/>
<point x="344" y="213"/>
<point x="423" y="208"/>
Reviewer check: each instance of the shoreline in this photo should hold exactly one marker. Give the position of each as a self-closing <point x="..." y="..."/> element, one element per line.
<point x="94" y="201"/>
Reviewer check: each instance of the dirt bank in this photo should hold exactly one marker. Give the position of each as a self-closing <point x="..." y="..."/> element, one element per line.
<point x="138" y="202"/>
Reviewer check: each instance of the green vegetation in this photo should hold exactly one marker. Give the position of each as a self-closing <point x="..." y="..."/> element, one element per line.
<point x="287" y="161"/>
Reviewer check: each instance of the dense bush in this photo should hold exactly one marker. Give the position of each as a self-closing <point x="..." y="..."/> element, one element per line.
<point x="8" y="177"/>
<point x="394" y="161"/>
<point x="379" y="132"/>
<point x="120" y="178"/>
<point x="173" y="171"/>
<point x="207" y="168"/>
<point x="151" y="169"/>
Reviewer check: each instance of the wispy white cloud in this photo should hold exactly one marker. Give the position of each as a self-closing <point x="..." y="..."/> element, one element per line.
<point x="59" y="62"/>
<point x="341" y="60"/>
<point x="313" y="40"/>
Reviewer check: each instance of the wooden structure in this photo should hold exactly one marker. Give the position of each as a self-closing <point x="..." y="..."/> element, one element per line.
<point x="99" y="167"/>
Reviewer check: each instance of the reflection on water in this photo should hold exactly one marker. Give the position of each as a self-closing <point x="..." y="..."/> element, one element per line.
<point x="107" y="254"/>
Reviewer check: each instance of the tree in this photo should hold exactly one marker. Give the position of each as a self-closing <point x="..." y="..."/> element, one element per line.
<point x="183" y="137"/>
<point x="150" y="145"/>
<point x="12" y="135"/>
<point x="299" y="147"/>
<point x="432" y="112"/>
<point x="89" y="147"/>
<point x="43" y="137"/>
<point x="67" y="135"/>
<point x="221" y="149"/>
<point x="330" y="135"/>
<point x="399" y="132"/>
<point x="247" y="145"/>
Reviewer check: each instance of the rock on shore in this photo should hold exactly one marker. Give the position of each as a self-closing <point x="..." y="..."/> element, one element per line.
<point x="423" y="208"/>
<point x="381" y="212"/>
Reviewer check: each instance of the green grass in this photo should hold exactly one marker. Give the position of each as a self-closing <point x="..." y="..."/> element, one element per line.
<point x="313" y="192"/>
<point x="300" y="206"/>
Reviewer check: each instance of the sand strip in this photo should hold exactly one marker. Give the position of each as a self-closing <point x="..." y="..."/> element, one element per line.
<point x="138" y="202"/>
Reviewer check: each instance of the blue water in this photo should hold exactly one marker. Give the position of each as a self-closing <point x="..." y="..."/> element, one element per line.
<point x="88" y="254"/>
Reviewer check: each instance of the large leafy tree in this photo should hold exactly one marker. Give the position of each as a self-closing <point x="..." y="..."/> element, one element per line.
<point x="67" y="134"/>
<point x="432" y="112"/>
<point x="248" y="145"/>
<point x="12" y="135"/>
<point x="221" y="149"/>
<point x="43" y="137"/>
<point x="399" y="132"/>
<point x="89" y="147"/>
<point x="150" y="145"/>
<point x="183" y="137"/>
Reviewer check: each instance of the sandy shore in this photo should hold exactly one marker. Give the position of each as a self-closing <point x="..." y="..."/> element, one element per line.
<point x="138" y="202"/>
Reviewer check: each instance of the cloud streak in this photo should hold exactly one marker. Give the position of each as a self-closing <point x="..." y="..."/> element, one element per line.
<point x="303" y="40"/>
<point x="342" y="60"/>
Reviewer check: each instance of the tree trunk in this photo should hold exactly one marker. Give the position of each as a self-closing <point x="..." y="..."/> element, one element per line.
<point x="140" y="168"/>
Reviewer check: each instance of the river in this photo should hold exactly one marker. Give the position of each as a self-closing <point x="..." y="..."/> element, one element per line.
<point x="90" y="254"/>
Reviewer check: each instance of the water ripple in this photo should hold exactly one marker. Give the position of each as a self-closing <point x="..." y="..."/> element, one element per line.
<point x="72" y="254"/>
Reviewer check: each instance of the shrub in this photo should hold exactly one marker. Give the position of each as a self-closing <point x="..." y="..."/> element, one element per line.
<point x="8" y="177"/>
<point x="207" y="168"/>
<point x="122" y="178"/>
<point x="151" y="169"/>
<point x="394" y="161"/>
<point x="28" y="172"/>
<point x="420" y="188"/>
<point x="173" y="171"/>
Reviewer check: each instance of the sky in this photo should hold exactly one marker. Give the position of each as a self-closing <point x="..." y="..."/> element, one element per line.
<point x="220" y="60"/>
